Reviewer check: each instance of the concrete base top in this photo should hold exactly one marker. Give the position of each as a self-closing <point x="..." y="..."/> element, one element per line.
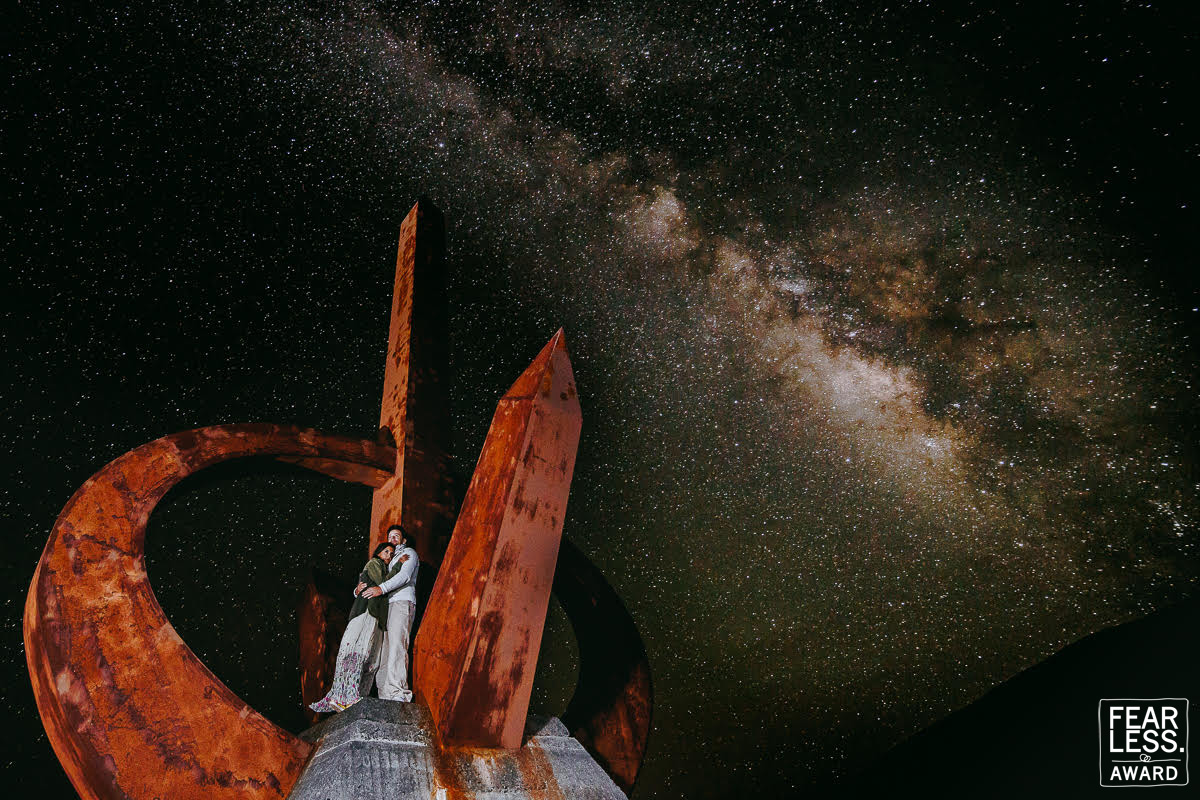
<point x="386" y="750"/>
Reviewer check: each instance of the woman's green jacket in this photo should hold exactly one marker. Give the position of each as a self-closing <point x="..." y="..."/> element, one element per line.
<point x="373" y="574"/>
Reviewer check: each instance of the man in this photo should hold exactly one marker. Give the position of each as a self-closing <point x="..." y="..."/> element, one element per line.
<point x="401" y="588"/>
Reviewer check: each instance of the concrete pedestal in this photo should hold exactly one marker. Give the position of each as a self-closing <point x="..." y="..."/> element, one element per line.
<point x="385" y="750"/>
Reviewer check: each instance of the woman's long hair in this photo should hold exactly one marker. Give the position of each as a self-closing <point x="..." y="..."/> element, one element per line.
<point x="379" y="549"/>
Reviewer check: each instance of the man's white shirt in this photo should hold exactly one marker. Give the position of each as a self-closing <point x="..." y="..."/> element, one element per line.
<point x="405" y="581"/>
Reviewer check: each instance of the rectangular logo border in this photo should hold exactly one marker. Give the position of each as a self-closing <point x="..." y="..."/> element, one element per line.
<point x="1187" y="711"/>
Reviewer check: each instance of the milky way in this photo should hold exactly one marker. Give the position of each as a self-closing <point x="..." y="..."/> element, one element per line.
<point x="881" y="406"/>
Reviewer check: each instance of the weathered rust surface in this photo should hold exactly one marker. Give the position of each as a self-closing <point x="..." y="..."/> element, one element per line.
<point x="316" y="664"/>
<point x="477" y="647"/>
<point x="610" y="712"/>
<point x="129" y="709"/>
<point x="351" y="473"/>
<point x="323" y="615"/>
<point x="415" y="411"/>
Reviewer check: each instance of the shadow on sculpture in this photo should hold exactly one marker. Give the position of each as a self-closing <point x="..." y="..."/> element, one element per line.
<point x="132" y="713"/>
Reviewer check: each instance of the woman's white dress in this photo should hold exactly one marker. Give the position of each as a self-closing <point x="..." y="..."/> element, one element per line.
<point x="357" y="662"/>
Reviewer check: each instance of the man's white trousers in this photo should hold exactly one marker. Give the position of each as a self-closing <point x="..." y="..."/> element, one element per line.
<point x="392" y="678"/>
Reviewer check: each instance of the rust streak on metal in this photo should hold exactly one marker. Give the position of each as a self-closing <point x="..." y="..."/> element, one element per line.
<point x="129" y="709"/>
<point x="415" y="408"/>
<point x="478" y="643"/>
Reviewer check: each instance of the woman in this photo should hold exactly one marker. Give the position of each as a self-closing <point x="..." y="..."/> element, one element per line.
<point x="358" y="655"/>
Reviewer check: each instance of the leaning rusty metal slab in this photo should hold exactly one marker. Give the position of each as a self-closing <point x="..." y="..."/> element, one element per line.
<point x="477" y="647"/>
<point x="129" y="709"/>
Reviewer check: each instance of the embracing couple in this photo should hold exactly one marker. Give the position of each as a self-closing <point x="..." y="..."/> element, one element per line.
<point x="375" y="645"/>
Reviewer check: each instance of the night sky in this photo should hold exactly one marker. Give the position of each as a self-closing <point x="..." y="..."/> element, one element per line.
<point x="883" y="323"/>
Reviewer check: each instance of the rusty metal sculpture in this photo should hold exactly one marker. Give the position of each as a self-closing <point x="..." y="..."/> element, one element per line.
<point x="131" y="711"/>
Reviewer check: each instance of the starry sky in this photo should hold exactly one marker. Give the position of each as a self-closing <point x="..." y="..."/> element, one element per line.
<point x="883" y="321"/>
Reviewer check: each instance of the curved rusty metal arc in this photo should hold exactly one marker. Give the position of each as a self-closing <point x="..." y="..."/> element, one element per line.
<point x="130" y="711"/>
<point x="611" y="709"/>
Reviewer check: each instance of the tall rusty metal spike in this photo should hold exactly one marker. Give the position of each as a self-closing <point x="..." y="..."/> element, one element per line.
<point x="415" y="411"/>
<point x="414" y="417"/>
<point x="477" y="647"/>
